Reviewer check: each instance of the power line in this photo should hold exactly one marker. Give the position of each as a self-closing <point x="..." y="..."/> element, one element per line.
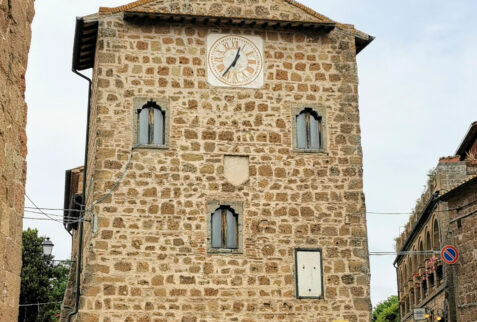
<point x="411" y="252"/>
<point x="59" y="209"/>
<point x="48" y="219"/>
<point x="40" y="209"/>
<point x="411" y="213"/>
<point x="53" y="215"/>
<point x="38" y="304"/>
<point x="388" y="213"/>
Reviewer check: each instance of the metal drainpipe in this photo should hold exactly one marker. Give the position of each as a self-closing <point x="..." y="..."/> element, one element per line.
<point x="82" y="213"/>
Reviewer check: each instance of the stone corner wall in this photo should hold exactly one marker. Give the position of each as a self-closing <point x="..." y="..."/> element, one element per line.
<point x="15" y="35"/>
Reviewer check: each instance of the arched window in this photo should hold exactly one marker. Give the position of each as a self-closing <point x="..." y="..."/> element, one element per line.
<point x="415" y="262"/>
<point x="224" y="228"/>
<point x="421" y="255"/>
<point x="151" y="124"/>
<point x="428" y="241"/>
<point x="435" y="235"/>
<point x="309" y="131"/>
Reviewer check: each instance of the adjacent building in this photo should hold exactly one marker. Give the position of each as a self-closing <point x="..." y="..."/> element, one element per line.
<point x="15" y="35"/>
<point x="447" y="216"/>
<point x="223" y="175"/>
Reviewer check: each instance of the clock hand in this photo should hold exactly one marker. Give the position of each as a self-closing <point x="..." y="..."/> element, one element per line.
<point x="233" y="63"/>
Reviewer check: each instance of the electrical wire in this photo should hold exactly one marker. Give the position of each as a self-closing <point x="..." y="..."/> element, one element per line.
<point x="58" y="221"/>
<point x="411" y="213"/>
<point x="53" y="215"/>
<point x="116" y="184"/>
<point x="40" y="209"/>
<point x="394" y="253"/>
<point x="38" y="304"/>
<point x="49" y="216"/>
<point x="62" y="209"/>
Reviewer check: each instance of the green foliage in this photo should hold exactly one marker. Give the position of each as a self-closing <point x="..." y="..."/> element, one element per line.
<point x="41" y="281"/>
<point x="387" y="311"/>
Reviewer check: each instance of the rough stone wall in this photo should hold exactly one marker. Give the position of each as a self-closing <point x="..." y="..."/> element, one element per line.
<point x="450" y="173"/>
<point x="148" y="260"/>
<point x="15" y="20"/>
<point x="464" y="236"/>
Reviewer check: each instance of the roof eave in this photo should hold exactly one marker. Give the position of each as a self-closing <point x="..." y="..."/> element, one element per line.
<point x="468" y="140"/>
<point x="362" y="42"/>
<point x="236" y="21"/>
<point x="84" y="47"/>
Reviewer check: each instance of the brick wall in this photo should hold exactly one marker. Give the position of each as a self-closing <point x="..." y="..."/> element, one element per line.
<point x="15" y="19"/>
<point x="147" y="258"/>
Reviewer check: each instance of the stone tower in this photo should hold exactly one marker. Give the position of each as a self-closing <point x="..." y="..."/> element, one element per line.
<point x="224" y="164"/>
<point x="15" y="35"/>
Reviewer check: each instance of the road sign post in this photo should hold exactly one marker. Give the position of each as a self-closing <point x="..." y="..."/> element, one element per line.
<point x="449" y="254"/>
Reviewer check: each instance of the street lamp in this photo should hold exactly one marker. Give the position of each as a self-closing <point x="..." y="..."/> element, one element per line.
<point x="47" y="246"/>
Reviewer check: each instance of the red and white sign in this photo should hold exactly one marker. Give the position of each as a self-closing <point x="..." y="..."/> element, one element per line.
<point x="449" y="254"/>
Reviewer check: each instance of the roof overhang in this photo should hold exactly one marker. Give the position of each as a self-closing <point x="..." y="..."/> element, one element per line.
<point x="361" y="40"/>
<point x="84" y="48"/>
<point x="468" y="141"/>
<point x="86" y="33"/>
<point x="229" y="21"/>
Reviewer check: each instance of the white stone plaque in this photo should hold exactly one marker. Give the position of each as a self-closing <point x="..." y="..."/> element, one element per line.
<point x="309" y="274"/>
<point x="236" y="169"/>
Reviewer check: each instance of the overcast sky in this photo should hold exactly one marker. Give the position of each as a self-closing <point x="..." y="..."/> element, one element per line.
<point x="417" y="80"/>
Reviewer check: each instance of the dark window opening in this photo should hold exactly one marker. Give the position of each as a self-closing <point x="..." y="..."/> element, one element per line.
<point x="309" y="130"/>
<point x="439" y="274"/>
<point x="151" y="121"/>
<point x="224" y="228"/>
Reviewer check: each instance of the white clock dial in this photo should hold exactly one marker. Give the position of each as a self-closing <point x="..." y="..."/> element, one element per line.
<point x="235" y="61"/>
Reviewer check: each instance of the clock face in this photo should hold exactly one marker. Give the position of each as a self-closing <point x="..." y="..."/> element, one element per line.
<point x="235" y="61"/>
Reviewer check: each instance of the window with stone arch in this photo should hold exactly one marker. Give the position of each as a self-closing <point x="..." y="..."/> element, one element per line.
<point x="405" y="280"/>
<point x="151" y="122"/>
<point x="224" y="228"/>
<point x="428" y="241"/>
<point x="421" y="254"/>
<point x="435" y="235"/>
<point x="224" y="225"/>
<point x="309" y="129"/>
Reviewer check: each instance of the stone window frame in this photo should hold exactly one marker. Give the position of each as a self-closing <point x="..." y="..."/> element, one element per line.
<point x="320" y="110"/>
<point x="211" y="207"/>
<point x="138" y="103"/>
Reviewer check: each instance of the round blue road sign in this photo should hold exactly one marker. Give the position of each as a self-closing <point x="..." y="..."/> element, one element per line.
<point x="449" y="254"/>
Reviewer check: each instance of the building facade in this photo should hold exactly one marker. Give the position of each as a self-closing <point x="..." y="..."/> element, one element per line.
<point x="446" y="218"/>
<point x="224" y="165"/>
<point x="15" y="35"/>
